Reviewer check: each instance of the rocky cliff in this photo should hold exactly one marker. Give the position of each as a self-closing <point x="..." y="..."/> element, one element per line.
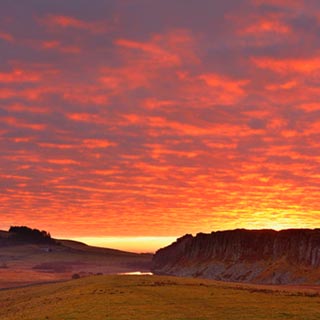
<point x="258" y="256"/>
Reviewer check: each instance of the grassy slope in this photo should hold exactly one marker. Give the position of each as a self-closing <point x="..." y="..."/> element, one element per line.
<point x="91" y="249"/>
<point x="156" y="298"/>
<point x="75" y="257"/>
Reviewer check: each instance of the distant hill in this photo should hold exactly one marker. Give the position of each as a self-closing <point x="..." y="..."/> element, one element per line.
<point x="31" y="256"/>
<point x="258" y="256"/>
<point x="22" y="235"/>
<point x="80" y="246"/>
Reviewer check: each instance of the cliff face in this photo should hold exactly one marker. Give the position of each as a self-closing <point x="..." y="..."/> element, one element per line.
<point x="259" y="256"/>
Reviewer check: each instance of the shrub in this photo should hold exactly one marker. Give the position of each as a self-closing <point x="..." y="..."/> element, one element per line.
<point x="30" y="235"/>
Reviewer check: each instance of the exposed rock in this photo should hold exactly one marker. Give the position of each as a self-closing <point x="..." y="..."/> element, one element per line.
<point x="259" y="256"/>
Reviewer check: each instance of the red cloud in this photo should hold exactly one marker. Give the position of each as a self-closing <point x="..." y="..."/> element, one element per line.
<point x="228" y="91"/>
<point x="6" y="36"/>
<point x="12" y="121"/>
<point x="158" y="54"/>
<point x="56" y="45"/>
<point x="266" y="26"/>
<point x="171" y="49"/>
<point x="285" y="66"/>
<point x="63" y="162"/>
<point x="61" y="21"/>
<point x="150" y="121"/>
<point x="19" y="75"/>
<point x="97" y="143"/>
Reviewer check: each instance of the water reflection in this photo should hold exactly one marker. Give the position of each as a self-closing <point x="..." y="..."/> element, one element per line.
<point x="136" y="273"/>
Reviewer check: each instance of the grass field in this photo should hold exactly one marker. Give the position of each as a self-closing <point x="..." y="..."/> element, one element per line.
<point x="157" y="298"/>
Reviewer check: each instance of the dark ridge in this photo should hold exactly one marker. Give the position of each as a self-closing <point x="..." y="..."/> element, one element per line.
<point x="260" y="256"/>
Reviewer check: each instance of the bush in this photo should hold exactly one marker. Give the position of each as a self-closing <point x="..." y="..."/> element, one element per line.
<point x="26" y="234"/>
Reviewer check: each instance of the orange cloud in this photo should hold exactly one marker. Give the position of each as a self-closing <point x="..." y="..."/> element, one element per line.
<point x="6" y="176"/>
<point x="191" y="126"/>
<point x="158" y="150"/>
<point x="285" y="66"/>
<point x="96" y="143"/>
<point x="130" y="77"/>
<point x="186" y="129"/>
<point x="85" y="95"/>
<point x="56" y="146"/>
<point x="157" y="53"/>
<point x="63" y="162"/>
<point x="266" y="26"/>
<point x="153" y="103"/>
<point x="210" y="89"/>
<point x="310" y="107"/>
<point x="106" y="172"/>
<point x="171" y="49"/>
<point x="85" y="117"/>
<point x="228" y="90"/>
<point x="22" y="139"/>
<point x="284" y="86"/>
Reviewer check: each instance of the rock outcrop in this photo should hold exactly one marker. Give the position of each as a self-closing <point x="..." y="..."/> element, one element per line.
<point x="259" y="256"/>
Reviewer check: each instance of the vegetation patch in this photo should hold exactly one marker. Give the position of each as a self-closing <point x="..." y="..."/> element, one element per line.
<point x="25" y="234"/>
<point x="154" y="298"/>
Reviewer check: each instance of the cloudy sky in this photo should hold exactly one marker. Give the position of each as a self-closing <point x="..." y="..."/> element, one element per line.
<point x="159" y="117"/>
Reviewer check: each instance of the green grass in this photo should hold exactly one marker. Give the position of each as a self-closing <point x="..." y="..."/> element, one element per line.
<point x="156" y="298"/>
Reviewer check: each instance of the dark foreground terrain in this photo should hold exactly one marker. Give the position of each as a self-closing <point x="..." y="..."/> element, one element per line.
<point x="24" y="263"/>
<point x="158" y="298"/>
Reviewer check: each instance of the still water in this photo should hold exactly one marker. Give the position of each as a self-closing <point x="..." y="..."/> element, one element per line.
<point x="136" y="273"/>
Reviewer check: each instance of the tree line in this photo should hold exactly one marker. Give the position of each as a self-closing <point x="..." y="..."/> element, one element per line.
<point x="26" y="234"/>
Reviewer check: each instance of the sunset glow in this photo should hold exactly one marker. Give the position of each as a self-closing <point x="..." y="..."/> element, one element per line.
<point x="159" y="118"/>
<point x="131" y="244"/>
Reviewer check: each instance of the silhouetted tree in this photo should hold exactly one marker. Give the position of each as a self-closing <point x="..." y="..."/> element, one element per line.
<point x="25" y="234"/>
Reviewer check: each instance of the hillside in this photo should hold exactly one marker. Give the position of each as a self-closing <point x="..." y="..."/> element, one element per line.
<point x="157" y="298"/>
<point x="258" y="256"/>
<point x="22" y="262"/>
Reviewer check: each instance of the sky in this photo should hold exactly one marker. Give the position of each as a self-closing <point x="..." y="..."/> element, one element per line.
<point x="154" y="118"/>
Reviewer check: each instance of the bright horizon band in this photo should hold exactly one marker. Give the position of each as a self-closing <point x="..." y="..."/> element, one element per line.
<point x="131" y="244"/>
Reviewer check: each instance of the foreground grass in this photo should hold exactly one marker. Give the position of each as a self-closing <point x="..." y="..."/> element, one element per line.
<point x="154" y="298"/>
